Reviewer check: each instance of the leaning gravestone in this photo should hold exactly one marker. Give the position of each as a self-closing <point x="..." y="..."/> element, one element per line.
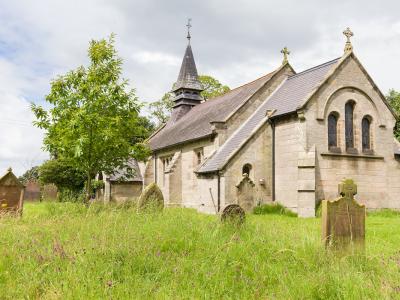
<point x="233" y="213"/>
<point x="11" y="194"/>
<point x="343" y="219"/>
<point x="245" y="193"/>
<point x="151" y="198"/>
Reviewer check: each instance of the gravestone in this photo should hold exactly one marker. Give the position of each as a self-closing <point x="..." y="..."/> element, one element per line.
<point x="245" y="193"/>
<point x="151" y="198"/>
<point x="233" y="213"/>
<point x="11" y="194"/>
<point x="343" y="219"/>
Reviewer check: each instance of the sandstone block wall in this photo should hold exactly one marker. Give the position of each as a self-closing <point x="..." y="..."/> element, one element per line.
<point x="287" y="149"/>
<point x="258" y="153"/>
<point x="122" y="192"/>
<point x="377" y="175"/>
<point x="181" y="186"/>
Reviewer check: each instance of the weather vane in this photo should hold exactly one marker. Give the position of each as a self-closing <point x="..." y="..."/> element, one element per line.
<point x="188" y="29"/>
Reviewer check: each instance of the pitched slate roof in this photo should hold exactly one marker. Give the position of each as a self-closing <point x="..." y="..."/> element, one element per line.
<point x="196" y="123"/>
<point x="296" y="88"/>
<point x="122" y="174"/>
<point x="288" y="97"/>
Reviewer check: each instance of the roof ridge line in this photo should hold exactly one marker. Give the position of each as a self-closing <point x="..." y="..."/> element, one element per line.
<point x="243" y="85"/>
<point x="250" y="82"/>
<point x="315" y="67"/>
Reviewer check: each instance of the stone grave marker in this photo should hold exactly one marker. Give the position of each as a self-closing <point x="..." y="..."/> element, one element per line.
<point x="11" y="194"/>
<point x="343" y="219"/>
<point x="233" y="213"/>
<point x="245" y="193"/>
<point x="151" y="199"/>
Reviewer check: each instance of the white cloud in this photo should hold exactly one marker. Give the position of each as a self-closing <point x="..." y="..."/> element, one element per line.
<point x="20" y="141"/>
<point x="145" y="57"/>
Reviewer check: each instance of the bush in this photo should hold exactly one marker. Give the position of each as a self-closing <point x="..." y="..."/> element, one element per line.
<point x="66" y="195"/>
<point x="275" y="209"/>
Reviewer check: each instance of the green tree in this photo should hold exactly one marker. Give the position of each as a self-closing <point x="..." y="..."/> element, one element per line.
<point x="62" y="174"/>
<point x="94" y="117"/>
<point x="393" y="97"/>
<point x="30" y="175"/>
<point x="212" y="87"/>
<point x="161" y="110"/>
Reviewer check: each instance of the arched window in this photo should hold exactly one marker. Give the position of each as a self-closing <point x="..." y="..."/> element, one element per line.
<point x="366" y="133"/>
<point x="246" y="169"/>
<point x="332" y="130"/>
<point x="349" y="116"/>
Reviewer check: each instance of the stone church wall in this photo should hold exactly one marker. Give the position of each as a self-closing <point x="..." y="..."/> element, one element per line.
<point x="377" y="175"/>
<point x="287" y="150"/>
<point x="196" y="190"/>
<point x="258" y="153"/>
<point x="175" y="184"/>
<point x="124" y="191"/>
<point x="181" y="186"/>
<point x="148" y="172"/>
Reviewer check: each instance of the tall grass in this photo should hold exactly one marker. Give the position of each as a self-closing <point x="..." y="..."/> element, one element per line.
<point x="68" y="251"/>
<point x="276" y="209"/>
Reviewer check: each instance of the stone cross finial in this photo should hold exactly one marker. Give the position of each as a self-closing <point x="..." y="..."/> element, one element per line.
<point x="348" y="34"/>
<point x="285" y="51"/>
<point x="9" y="170"/>
<point x="188" y="25"/>
<point x="347" y="188"/>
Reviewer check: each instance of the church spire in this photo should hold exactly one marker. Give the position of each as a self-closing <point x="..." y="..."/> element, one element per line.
<point x="188" y="77"/>
<point x="187" y="88"/>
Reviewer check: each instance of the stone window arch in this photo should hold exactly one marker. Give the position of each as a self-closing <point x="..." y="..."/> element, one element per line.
<point x="246" y="169"/>
<point x="366" y="133"/>
<point x="333" y="119"/>
<point x="349" y="124"/>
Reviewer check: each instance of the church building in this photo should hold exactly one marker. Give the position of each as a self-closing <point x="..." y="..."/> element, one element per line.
<point x="285" y="137"/>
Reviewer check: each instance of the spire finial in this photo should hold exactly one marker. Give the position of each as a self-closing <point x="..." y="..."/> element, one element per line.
<point x="348" y="34"/>
<point x="285" y="51"/>
<point x="188" y="25"/>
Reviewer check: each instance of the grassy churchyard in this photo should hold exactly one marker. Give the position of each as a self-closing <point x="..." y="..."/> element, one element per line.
<point x="68" y="251"/>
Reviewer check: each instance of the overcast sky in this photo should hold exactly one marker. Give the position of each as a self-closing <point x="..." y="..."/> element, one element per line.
<point x="234" y="41"/>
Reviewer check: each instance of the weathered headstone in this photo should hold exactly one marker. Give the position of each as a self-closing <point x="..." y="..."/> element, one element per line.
<point x="233" y="213"/>
<point x="343" y="219"/>
<point x="151" y="198"/>
<point x="245" y="193"/>
<point x="11" y="194"/>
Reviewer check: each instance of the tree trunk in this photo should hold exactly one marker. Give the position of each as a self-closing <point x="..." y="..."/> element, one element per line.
<point x="88" y="189"/>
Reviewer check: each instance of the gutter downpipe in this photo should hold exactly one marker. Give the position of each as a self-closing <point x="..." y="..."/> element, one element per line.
<point x="273" y="158"/>
<point x="219" y="192"/>
<point x="155" y="168"/>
